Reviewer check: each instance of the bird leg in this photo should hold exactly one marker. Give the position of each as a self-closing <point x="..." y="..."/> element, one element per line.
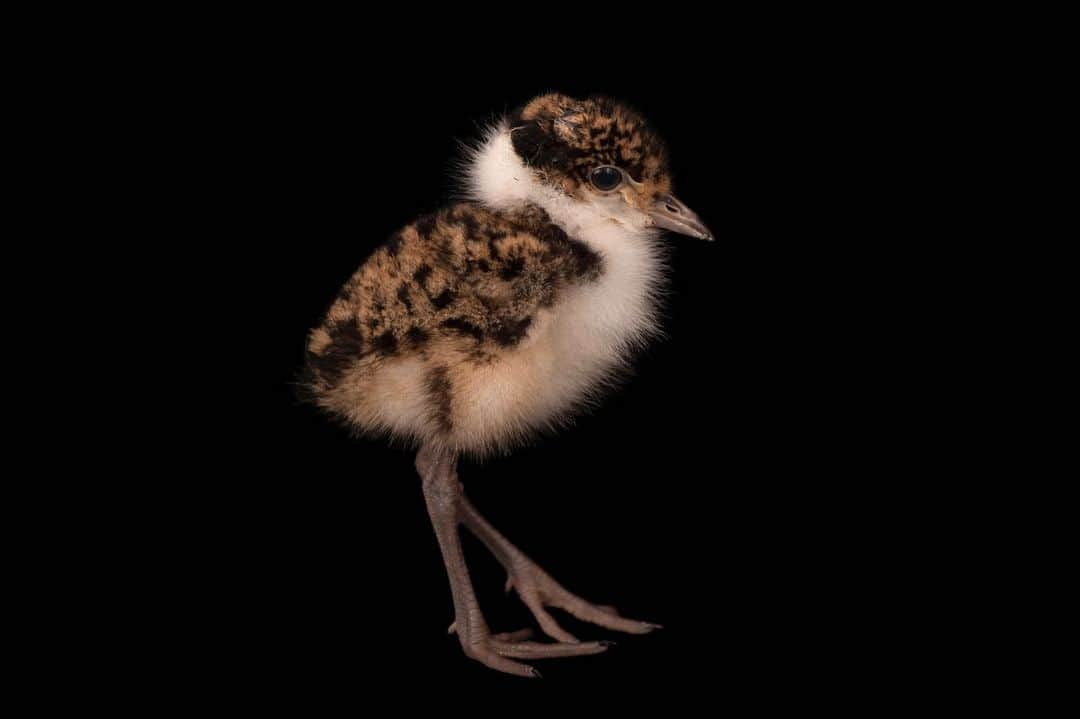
<point x="444" y="498"/>
<point x="536" y="587"/>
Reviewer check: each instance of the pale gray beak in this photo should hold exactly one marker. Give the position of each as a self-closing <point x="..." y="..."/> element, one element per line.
<point x="671" y="214"/>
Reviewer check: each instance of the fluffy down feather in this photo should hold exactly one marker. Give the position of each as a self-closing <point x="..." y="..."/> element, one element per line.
<point x="478" y="326"/>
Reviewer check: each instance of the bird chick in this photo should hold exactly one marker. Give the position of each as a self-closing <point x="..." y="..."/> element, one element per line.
<point x="476" y="327"/>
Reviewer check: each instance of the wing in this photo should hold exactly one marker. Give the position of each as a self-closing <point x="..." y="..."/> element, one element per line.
<point x="465" y="275"/>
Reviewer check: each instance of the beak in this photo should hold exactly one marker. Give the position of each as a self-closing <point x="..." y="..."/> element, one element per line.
<point x="671" y="214"/>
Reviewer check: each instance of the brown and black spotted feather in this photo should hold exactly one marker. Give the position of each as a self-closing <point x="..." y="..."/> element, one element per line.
<point x="465" y="276"/>
<point x="566" y="139"/>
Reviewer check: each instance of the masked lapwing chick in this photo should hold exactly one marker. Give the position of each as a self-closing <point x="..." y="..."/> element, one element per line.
<point x="476" y="327"/>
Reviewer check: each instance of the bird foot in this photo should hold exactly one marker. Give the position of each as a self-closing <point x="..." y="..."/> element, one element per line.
<point x="538" y="590"/>
<point x="448" y="508"/>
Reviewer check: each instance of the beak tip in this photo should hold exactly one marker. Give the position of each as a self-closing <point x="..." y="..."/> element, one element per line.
<point x="669" y="213"/>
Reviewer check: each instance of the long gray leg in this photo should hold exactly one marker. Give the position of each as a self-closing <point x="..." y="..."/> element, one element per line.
<point x="536" y="587"/>
<point x="444" y="497"/>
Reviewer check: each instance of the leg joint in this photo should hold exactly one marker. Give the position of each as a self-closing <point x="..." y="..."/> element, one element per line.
<point x="438" y="472"/>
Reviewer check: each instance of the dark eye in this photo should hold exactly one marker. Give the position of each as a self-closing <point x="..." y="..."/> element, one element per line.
<point x="606" y="178"/>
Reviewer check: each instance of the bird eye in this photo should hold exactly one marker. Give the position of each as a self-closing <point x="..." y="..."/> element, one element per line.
<point x="606" y="178"/>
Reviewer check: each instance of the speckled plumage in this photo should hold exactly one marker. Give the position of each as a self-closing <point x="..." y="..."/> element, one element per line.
<point x="567" y="138"/>
<point x="474" y="327"/>
<point x="440" y="336"/>
<point x="454" y="292"/>
<point x="465" y="274"/>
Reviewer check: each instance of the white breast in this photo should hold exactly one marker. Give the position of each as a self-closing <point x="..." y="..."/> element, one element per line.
<point x="570" y="355"/>
<point x="574" y="348"/>
<point x="597" y="325"/>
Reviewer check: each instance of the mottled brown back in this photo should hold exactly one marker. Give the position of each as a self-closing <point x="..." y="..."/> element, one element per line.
<point x="464" y="274"/>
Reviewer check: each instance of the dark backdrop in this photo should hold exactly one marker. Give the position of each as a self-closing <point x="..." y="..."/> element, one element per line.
<point x="733" y="490"/>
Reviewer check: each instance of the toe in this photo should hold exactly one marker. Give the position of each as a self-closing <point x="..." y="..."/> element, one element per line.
<point x="547" y="622"/>
<point x="492" y="659"/>
<point x="536" y="650"/>
<point x="520" y="635"/>
<point x="595" y="615"/>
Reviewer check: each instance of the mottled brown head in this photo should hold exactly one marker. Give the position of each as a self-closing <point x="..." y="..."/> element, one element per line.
<point x="600" y="150"/>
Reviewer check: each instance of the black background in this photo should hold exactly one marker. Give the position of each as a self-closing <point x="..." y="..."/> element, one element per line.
<point x="738" y="489"/>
